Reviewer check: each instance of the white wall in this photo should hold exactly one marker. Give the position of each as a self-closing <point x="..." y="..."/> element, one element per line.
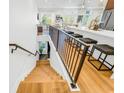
<point x="23" y="19"/>
<point x="21" y="63"/>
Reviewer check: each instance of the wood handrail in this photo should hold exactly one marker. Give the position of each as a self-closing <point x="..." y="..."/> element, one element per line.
<point x="18" y="46"/>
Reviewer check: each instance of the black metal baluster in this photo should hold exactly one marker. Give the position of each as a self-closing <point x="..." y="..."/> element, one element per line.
<point x="68" y="40"/>
<point x="68" y="51"/>
<point x="75" y="48"/>
<point x="71" y="52"/>
<point x="58" y="37"/>
<point x="65" y="49"/>
<point x="81" y="63"/>
<point x="78" y="50"/>
<point x="70" y="43"/>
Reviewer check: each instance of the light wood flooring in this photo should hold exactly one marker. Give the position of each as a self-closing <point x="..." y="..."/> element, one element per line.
<point x="44" y="79"/>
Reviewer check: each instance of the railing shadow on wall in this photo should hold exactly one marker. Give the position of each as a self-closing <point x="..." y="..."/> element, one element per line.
<point x="71" y="51"/>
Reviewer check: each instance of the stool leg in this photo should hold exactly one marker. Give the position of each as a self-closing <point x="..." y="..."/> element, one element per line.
<point x="112" y="67"/>
<point x="100" y="56"/>
<point x="91" y="53"/>
<point x="102" y="62"/>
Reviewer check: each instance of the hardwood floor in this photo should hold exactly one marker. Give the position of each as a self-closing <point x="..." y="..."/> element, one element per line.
<point x="93" y="81"/>
<point x="43" y="79"/>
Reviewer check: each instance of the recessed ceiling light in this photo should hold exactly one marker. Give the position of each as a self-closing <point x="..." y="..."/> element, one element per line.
<point x="101" y="0"/>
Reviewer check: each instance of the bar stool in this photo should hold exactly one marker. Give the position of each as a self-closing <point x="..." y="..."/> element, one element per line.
<point x="89" y="41"/>
<point x="104" y="49"/>
<point x="69" y="32"/>
<point x="77" y="35"/>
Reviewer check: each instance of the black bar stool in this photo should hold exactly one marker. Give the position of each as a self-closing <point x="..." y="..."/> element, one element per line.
<point x="104" y="49"/>
<point x="89" y="41"/>
<point x="69" y="32"/>
<point x="77" y="35"/>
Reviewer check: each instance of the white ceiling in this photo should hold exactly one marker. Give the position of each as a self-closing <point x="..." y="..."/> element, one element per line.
<point x="68" y="3"/>
<point x="58" y="3"/>
<point x="53" y="5"/>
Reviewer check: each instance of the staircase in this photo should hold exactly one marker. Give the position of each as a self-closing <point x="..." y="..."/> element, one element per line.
<point x="43" y="79"/>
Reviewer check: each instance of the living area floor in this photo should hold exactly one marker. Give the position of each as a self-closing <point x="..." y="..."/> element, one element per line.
<point x="94" y="81"/>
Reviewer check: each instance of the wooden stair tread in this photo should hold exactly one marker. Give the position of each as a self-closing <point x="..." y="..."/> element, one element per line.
<point x="43" y="79"/>
<point x="48" y="69"/>
<point x="46" y="81"/>
<point x="38" y="63"/>
<point x="42" y="60"/>
<point x="51" y="72"/>
<point x="46" y="72"/>
<point x="45" y="87"/>
<point x="37" y="74"/>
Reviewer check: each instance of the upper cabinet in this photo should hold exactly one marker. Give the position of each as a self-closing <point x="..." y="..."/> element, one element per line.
<point x="110" y="5"/>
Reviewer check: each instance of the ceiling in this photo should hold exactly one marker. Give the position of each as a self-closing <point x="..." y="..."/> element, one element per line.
<point x="58" y="3"/>
<point x="68" y="3"/>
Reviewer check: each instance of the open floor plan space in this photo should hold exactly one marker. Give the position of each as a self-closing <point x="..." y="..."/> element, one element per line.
<point x="61" y="46"/>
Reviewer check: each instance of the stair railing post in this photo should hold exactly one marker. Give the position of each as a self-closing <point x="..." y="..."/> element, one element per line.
<point x="81" y="63"/>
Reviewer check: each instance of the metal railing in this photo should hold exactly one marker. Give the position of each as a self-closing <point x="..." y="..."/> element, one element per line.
<point x="71" y="50"/>
<point x="18" y="46"/>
